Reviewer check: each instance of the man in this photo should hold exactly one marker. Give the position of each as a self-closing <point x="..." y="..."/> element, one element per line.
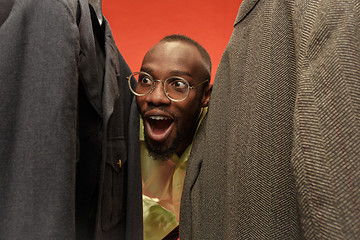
<point x="172" y="92"/>
<point x="278" y="155"/>
<point x="69" y="126"/>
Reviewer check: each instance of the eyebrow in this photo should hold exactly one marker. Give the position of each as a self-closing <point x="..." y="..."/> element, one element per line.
<point x="173" y="72"/>
<point x="147" y="70"/>
<point x="181" y="73"/>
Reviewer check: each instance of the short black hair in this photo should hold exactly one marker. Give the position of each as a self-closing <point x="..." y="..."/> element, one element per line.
<point x="178" y="37"/>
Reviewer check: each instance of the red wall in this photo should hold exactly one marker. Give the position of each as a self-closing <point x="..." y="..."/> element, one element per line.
<point x="138" y="24"/>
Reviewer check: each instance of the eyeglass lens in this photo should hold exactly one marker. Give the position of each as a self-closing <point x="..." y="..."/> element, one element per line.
<point x="175" y="88"/>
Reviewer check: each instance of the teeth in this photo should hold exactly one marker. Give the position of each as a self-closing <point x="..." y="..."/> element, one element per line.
<point x="159" y="118"/>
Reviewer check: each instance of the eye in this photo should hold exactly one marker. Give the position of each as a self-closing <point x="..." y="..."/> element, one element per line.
<point x="145" y="80"/>
<point x="178" y="84"/>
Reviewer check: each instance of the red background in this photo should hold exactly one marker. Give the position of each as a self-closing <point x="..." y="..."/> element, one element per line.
<point x="139" y="24"/>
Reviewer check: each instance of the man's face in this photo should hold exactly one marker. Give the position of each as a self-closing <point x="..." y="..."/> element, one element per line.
<point x="170" y="126"/>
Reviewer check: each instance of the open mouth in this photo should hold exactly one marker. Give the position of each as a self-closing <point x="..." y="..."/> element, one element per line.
<point x="158" y="127"/>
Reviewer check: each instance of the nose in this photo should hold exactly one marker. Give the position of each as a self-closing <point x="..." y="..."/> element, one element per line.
<point x="158" y="96"/>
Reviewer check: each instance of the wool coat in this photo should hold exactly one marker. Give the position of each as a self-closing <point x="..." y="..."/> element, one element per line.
<point x="70" y="166"/>
<point x="278" y="156"/>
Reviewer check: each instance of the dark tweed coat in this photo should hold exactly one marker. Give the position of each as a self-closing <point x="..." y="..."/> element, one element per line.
<point x="278" y="156"/>
<point x="69" y="164"/>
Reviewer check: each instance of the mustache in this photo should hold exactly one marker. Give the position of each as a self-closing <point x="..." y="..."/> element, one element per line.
<point x="151" y="107"/>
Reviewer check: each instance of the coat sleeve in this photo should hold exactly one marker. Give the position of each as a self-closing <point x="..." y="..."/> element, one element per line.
<point x="326" y="119"/>
<point x="39" y="49"/>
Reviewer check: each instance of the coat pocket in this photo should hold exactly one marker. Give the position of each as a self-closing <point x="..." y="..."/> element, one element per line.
<point x="113" y="199"/>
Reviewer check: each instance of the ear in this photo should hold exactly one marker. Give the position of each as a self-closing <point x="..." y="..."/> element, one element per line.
<point x="206" y="95"/>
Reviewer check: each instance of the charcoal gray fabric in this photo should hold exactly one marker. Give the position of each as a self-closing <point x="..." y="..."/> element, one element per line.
<point x="67" y="118"/>
<point x="278" y="156"/>
<point x="5" y="8"/>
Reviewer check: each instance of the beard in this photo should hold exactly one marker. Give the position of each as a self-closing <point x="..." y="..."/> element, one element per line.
<point x="161" y="152"/>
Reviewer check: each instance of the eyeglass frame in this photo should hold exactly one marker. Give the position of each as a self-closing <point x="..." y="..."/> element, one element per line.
<point x="163" y="84"/>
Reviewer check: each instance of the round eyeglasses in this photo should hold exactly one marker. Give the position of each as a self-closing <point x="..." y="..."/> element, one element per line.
<point x="175" y="88"/>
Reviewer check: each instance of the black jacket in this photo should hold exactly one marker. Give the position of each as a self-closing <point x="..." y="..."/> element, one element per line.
<point x="67" y="118"/>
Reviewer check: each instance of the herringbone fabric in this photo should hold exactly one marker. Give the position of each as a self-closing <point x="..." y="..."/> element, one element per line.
<point x="278" y="156"/>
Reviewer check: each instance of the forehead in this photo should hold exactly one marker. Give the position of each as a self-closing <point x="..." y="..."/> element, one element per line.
<point x="175" y="56"/>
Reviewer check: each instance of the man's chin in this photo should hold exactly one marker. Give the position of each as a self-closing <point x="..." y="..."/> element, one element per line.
<point x="160" y="152"/>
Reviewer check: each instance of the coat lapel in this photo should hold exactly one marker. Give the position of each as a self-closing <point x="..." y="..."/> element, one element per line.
<point x="88" y="61"/>
<point x="112" y="70"/>
<point x="245" y="7"/>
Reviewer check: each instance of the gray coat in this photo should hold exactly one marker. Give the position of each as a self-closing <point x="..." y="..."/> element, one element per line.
<point x="67" y="119"/>
<point x="278" y="156"/>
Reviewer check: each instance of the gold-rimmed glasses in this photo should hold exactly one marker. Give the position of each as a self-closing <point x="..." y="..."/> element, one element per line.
<point x="176" y="88"/>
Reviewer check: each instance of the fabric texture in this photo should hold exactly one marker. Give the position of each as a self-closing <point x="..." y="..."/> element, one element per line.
<point x="67" y="119"/>
<point x="277" y="156"/>
<point x="5" y="8"/>
<point x="162" y="183"/>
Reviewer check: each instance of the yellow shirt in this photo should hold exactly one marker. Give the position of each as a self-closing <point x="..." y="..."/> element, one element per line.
<point x="162" y="183"/>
